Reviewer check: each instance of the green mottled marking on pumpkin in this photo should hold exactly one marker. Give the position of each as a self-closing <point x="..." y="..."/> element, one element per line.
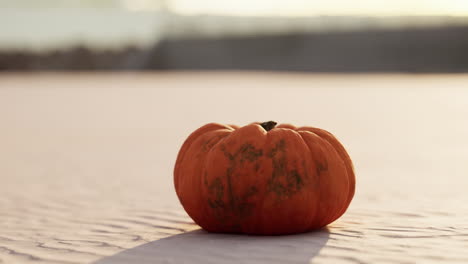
<point x="279" y="167"/>
<point x="245" y="152"/>
<point x="244" y="207"/>
<point x="205" y="145"/>
<point x="293" y="183"/>
<point x="282" y="182"/>
<point x="257" y="167"/>
<point x="277" y="188"/>
<point x="205" y="178"/>
<point x="226" y="153"/>
<point x="229" y="185"/>
<point x="249" y="152"/>
<point x="294" y="180"/>
<point x="216" y="188"/>
<point x="321" y="167"/>
<point x="280" y="146"/>
<point x="215" y="204"/>
<point x="239" y="207"/>
<point x="250" y="192"/>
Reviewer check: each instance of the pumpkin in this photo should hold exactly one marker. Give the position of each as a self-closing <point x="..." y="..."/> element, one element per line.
<point x="263" y="179"/>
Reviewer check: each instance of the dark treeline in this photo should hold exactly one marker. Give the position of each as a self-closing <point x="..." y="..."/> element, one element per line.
<point x="438" y="49"/>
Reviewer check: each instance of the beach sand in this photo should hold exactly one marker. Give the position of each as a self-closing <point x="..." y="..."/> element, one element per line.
<point x="86" y="165"/>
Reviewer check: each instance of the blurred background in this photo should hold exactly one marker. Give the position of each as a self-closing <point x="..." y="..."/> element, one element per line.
<point x="87" y="149"/>
<point x="293" y="35"/>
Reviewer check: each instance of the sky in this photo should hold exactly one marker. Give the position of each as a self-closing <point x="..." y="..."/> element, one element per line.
<point x="52" y="24"/>
<point x="267" y="7"/>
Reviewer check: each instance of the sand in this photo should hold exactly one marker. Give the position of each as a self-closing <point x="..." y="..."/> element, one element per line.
<point x="86" y="165"/>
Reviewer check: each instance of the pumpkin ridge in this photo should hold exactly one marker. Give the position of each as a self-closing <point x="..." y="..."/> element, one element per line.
<point x="188" y="142"/>
<point x="341" y="151"/>
<point x="197" y="181"/>
<point x="194" y="135"/>
<point x="237" y="205"/>
<point x="323" y="167"/>
<point x="293" y="180"/>
<point x="245" y="152"/>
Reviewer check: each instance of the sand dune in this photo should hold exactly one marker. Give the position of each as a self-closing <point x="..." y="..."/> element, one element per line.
<point x="86" y="166"/>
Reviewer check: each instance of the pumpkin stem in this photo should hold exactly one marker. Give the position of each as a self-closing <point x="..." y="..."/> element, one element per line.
<point x="269" y="125"/>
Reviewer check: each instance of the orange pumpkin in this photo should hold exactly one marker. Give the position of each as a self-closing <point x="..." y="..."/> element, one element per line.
<point x="263" y="179"/>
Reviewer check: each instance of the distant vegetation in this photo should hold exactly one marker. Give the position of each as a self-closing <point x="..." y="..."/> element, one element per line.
<point x="426" y="49"/>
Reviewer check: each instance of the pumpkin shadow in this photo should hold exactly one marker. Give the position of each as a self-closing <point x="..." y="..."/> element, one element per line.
<point x="200" y="246"/>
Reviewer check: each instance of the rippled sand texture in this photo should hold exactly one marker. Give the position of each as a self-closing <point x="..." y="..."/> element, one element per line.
<point x="86" y="166"/>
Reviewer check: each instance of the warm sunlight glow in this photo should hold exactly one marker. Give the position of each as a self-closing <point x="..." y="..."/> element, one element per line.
<point x="142" y="5"/>
<point x="307" y="7"/>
